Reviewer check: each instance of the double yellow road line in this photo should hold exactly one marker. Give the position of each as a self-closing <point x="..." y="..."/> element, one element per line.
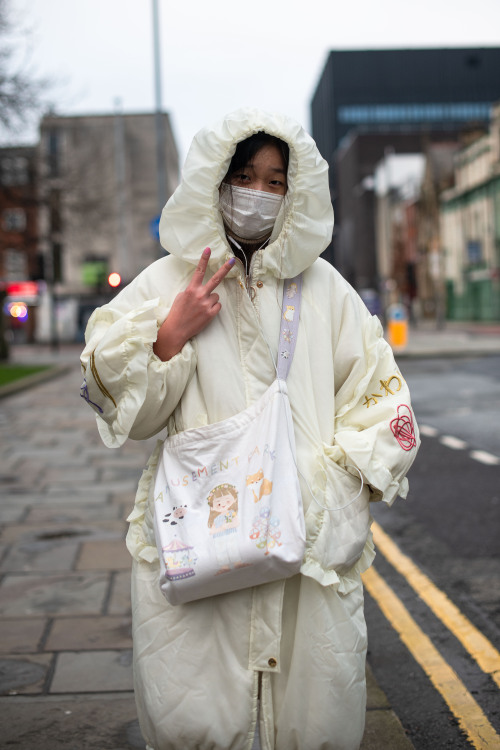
<point x="469" y="714"/>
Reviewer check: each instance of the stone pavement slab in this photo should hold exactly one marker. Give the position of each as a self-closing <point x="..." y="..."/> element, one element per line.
<point x="97" y="529"/>
<point x="11" y="513"/>
<point x="22" y="635"/>
<point x="383" y="731"/>
<point x="119" y="599"/>
<point x="39" y="555"/>
<point x="73" y="722"/>
<point x="111" y="554"/>
<point x="63" y="594"/>
<point x="88" y="633"/>
<point x="83" y="671"/>
<point x="61" y="513"/>
<point x="24" y="674"/>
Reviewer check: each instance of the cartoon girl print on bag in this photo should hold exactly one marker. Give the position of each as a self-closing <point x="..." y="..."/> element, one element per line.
<point x="223" y="523"/>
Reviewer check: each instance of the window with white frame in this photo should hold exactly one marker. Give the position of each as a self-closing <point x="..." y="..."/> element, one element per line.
<point x="14" y="220"/>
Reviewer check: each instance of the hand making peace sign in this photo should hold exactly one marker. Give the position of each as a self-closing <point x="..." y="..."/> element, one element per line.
<point x="192" y="309"/>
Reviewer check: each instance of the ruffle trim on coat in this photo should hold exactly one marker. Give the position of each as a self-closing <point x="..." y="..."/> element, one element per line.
<point x="359" y="452"/>
<point x="346" y="582"/>
<point x="127" y="351"/>
<point x="138" y="545"/>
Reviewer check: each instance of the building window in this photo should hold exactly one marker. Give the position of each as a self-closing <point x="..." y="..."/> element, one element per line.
<point x="14" y="170"/>
<point x="474" y="253"/>
<point x="400" y="113"/>
<point x="13" y="220"/>
<point x="15" y="265"/>
<point x="54" y="152"/>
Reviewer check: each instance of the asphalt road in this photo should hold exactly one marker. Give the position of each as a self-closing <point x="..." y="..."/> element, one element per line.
<point x="449" y="526"/>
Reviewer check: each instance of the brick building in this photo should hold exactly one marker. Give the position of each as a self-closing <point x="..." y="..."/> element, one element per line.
<point x="19" y="258"/>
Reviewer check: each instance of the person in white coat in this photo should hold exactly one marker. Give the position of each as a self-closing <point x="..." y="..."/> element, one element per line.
<point x="186" y="344"/>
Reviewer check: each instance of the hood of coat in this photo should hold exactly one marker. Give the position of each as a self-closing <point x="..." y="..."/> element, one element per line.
<point x="191" y="220"/>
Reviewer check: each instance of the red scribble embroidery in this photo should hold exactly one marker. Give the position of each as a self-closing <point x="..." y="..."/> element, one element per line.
<point x="403" y="429"/>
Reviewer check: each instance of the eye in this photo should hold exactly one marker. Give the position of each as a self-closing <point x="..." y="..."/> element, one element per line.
<point x="241" y="177"/>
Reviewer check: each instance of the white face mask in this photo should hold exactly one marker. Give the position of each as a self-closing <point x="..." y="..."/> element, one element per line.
<point x="250" y="214"/>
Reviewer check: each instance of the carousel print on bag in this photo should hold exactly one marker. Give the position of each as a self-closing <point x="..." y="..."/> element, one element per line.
<point x="178" y="557"/>
<point x="179" y="560"/>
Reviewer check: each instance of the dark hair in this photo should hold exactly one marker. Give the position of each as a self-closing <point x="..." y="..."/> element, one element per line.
<point x="247" y="149"/>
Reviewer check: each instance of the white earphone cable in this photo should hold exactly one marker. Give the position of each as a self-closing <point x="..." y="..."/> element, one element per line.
<point x="290" y="427"/>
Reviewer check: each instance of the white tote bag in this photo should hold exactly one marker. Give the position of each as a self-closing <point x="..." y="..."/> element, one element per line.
<point x="227" y="502"/>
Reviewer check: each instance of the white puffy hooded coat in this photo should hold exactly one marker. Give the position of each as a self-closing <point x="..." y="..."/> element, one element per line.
<point x="198" y="667"/>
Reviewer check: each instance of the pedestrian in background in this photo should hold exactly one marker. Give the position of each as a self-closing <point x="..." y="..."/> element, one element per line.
<point x="186" y="344"/>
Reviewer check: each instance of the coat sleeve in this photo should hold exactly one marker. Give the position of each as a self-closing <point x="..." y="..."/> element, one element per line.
<point x="375" y="429"/>
<point x="131" y="390"/>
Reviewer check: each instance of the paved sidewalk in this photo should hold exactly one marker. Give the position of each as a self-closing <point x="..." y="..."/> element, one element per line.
<point x="65" y="644"/>
<point x="453" y="340"/>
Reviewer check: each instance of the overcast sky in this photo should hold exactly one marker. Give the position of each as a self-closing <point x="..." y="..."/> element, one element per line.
<point x="221" y="54"/>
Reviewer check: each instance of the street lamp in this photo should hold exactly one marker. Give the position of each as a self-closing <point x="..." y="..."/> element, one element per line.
<point x="160" y="135"/>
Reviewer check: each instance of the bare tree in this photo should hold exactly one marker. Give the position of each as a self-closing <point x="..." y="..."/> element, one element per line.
<point x="20" y="90"/>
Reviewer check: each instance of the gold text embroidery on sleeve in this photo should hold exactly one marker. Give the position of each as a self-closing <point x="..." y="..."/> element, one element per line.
<point x="98" y="380"/>
<point x="387" y="387"/>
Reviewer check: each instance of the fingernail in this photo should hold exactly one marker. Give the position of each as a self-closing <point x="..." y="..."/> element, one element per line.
<point x="206" y="252"/>
<point x="231" y="262"/>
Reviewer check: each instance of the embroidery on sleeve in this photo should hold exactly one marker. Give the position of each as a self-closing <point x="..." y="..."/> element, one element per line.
<point x="98" y="380"/>
<point x="84" y="393"/>
<point x="369" y="399"/>
<point x="403" y="428"/>
<point x="388" y="386"/>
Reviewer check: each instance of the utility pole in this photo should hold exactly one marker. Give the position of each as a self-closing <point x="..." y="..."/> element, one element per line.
<point x="160" y="131"/>
<point x="122" y="258"/>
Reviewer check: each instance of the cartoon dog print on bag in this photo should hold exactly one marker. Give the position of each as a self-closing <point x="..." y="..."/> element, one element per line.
<point x="266" y="486"/>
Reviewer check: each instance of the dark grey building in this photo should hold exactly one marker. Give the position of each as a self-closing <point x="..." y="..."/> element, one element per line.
<point x="368" y="101"/>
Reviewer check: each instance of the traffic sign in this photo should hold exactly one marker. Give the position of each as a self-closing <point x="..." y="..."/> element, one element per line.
<point x="154" y="227"/>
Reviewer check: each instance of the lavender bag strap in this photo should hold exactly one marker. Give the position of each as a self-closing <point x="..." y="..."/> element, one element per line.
<point x="290" y="312"/>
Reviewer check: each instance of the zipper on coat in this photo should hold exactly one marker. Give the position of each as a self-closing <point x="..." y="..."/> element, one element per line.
<point x="248" y="280"/>
<point x="248" y="277"/>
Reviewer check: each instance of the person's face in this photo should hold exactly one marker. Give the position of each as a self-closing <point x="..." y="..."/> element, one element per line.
<point x="222" y="503"/>
<point x="267" y="172"/>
